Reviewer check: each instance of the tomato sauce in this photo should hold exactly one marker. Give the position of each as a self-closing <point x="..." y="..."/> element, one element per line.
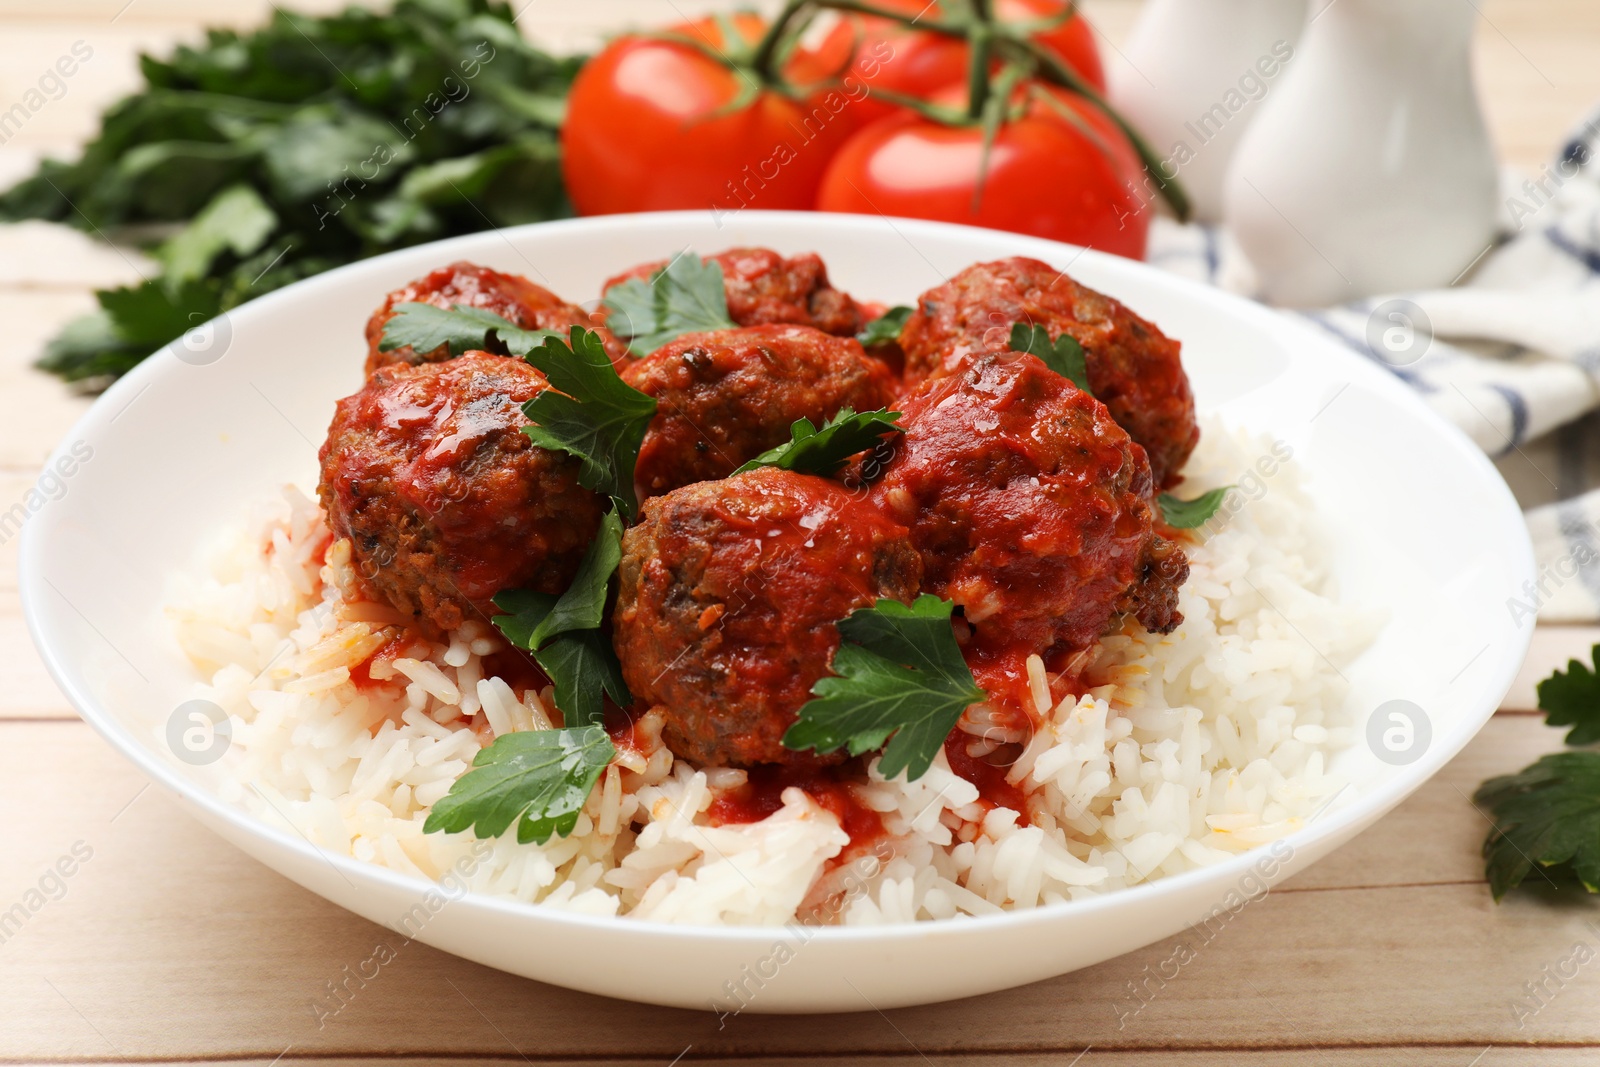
<point x="361" y="674"/>
<point x="762" y="795"/>
<point x="990" y="777"/>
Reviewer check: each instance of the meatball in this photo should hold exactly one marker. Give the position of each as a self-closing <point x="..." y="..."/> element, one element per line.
<point x="1030" y="507"/>
<point x="511" y="296"/>
<point x="763" y="287"/>
<point x="730" y="595"/>
<point x="445" y="500"/>
<point x="1134" y="369"/>
<point x="727" y="396"/>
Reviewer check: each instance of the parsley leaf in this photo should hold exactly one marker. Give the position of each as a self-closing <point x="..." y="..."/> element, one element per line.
<point x="424" y="327"/>
<point x="1187" y="514"/>
<point x="1549" y="814"/>
<point x="899" y="676"/>
<point x="538" y="779"/>
<point x="886" y="328"/>
<point x="1573" y="699"/>
<point x="813" y="451"/>
<point x="1064" y="355"/>
<point x="563" y="633"/>
<point x="591" y="414"/>
<point x="685" y="296"/>
<point x="583" y="605"/>
<point x="237" y="220"/>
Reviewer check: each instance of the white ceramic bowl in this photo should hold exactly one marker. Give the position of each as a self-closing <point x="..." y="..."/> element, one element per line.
<point x="182" y="446"/>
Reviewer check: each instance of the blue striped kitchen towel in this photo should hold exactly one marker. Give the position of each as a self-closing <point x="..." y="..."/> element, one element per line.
<point x="1511" y="354"/>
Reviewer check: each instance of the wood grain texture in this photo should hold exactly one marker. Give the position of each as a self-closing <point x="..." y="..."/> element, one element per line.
<point x="165" y="944"/>
<point x="165" y="947"/>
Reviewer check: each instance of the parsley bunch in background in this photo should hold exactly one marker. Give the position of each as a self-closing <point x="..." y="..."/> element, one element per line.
<point x="268" y="156"/>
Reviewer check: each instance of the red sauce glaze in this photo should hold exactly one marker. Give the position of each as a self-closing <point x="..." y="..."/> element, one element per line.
<point x="1134" y="369"/>
<point x="762" y="795"/>
<point x="729" y="597"/>
<point x="1030" y="507"/>
<point x="445" y="500"/>
<point x="361" y="674"/>
<point x="727" y="396"/>
<point x="990" y="777"/>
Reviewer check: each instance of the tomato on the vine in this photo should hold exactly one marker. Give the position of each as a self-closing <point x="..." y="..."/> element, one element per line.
<point x="1069" y="177"/>
<point x="657" y="124"/>
<point x="921" y="63"/>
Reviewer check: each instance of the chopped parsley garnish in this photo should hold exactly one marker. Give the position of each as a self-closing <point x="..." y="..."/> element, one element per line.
<point x="899" y="677"/>
<point x="1064" y="355"/>
<point x="1187" y="514"/>
<point x="538" y="779"/>
<point x="564" y="634"/>
<point x="1573" y="699"/>
<point x="465" y="329"/>
<point x="1547" y="814"/>
<point x="813" y="451"/>
<point x="685" y="296"/>
<point x="591" y="414"/>
<point x="885" y="328"/>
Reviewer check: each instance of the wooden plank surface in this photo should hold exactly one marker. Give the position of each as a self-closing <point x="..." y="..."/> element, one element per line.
<point x="167" y="947"/>
<point x="167" y="944"/>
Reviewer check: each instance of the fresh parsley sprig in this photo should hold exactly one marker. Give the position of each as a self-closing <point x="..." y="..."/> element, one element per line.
<point x="564" y="635"/>
<point x="591" y="414"/>
<point x="685" y="296"/>
<point x="899" y="677"/>
<point x="1187" y="514"/>
<point x="1547" y="815"/>
<point x="424" y="327"/>
<point x="1572" y="698"/>
<point x="1064" y="355"/>
<point x="810" y="450"/>
<point x="885" y="328"/>
<point x="539" y="779"/>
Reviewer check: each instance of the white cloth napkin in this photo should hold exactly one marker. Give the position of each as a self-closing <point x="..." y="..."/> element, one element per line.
<point x="1511" y="354"/>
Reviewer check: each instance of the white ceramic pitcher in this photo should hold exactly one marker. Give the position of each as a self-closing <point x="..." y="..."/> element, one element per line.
<point x="1198" y="72"/>
<point x="1369" y="169"/>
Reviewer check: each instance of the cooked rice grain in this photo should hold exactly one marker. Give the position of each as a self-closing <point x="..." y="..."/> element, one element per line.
<point x="1191" y="747"/>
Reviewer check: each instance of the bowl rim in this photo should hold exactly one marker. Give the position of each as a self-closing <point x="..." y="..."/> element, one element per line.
<point x="1329" y="824"/>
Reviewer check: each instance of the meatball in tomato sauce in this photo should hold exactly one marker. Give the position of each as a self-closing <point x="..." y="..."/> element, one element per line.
<point x="444" y="499"/>
<point x="1031" y="509"/>
<point x="763" y="287"/>
<point x="729" y="600"/>
<point x="1134" y="369"/>
<point x="725" y="397"/>
<point x="511" y="296"/>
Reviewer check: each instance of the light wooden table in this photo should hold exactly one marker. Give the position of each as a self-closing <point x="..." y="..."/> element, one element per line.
<point x="167" y="946"/>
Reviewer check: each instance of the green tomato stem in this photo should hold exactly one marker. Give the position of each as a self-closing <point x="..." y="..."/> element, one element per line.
<point x="768" y="48"/>
<point x="1052" y="69"/>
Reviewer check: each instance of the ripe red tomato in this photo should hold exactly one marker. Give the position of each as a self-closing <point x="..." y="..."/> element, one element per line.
<point x="919" y="64"/>
<point x="1077" y="181"/>
<point x="645" y="129"/>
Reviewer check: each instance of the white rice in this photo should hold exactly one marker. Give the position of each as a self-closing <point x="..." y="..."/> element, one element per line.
<point x="1193" y="747"/>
